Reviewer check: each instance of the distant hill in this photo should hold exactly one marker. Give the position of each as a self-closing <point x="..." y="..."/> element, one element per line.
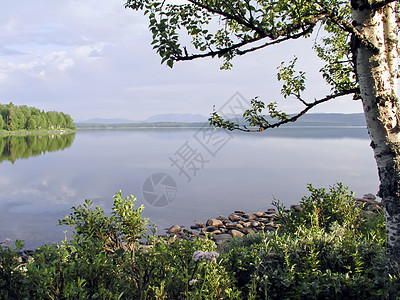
<point x="195" y="120"/>
<point x="331" y="120"/>
<point x="107" y="121"/>
<point x="328" y="119"/>
<point x="181" y="118"/>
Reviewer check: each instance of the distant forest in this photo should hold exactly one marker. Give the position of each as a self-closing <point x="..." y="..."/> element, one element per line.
<point x="22" y="117"/>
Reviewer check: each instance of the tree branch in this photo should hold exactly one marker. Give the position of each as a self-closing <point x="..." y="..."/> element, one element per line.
<point x="345" y="25"/>
<point x="241" y="21"/>
<point x="300" y="114"/>
<point x="241" y="44"/>
<point x="380" y="4"/>
<point x="218" y="52"/>
<point x="277" y="41"/>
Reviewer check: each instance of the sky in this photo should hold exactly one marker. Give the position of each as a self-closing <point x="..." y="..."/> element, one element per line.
<point x="93" y="59"/>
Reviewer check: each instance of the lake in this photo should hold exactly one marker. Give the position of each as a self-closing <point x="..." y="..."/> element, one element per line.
<point x="180" y="175"/>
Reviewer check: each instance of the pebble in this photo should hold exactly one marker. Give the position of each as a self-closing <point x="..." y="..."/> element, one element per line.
<point x="214" y="222"/>
<point x="236" y="233"/>
<point x="174" y="229"/>
<point x="239" y="223"/>
<point x="234" y="218"/>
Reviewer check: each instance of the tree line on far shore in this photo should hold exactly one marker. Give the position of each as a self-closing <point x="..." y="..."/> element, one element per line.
<point x="13" y="117"/>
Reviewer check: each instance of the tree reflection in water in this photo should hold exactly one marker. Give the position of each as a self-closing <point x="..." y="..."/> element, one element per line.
<point x="13" y="147"/>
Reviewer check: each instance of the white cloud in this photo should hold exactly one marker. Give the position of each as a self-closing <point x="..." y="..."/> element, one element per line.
<point x="82" y="56"/>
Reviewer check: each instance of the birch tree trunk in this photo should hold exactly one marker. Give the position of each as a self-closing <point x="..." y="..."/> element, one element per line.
<point x="376" y="61"/>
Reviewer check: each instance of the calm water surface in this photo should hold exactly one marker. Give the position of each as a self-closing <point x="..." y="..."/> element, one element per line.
<point x="238" y="172"/>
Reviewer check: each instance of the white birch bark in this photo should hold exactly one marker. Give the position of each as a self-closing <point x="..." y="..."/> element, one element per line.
<point x="377" y="74"/>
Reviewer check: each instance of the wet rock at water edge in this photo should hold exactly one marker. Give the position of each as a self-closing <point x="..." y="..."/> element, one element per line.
<point x="197" y="225"/>
<point x="174" y="229"/>
<point x="234" y="218"/>
<point x="259" y="214"/>
<point x="236" y="233"/>
<point x="214" y="222"/>
<point x="250" y="217"/>
<point x="248" y="230"/>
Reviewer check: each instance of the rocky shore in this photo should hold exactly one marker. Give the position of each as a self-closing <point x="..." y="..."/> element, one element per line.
<point x="237" y="224"/>
<point x="240" y="223"/>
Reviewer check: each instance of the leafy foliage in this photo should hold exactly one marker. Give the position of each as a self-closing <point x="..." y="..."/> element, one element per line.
<point x="11" y="271"/>
<point x="326" y="250"/>
<point x="106" y="260"/>
<point x="319" y="252"/>
<point x="30" y="118"/>
<point x="227" y="29"/>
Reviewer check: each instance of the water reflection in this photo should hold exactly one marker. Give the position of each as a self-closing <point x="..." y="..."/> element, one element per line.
<point x="13" y="147"/>
<point x="248" y="172"/>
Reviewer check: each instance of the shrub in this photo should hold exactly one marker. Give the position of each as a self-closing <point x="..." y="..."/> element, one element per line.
<point x="322" y="251"/>
<point x="106" y="260"/>
<point x="11" y="271"/>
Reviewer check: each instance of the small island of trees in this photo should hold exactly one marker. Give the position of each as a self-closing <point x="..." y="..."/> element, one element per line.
<point x="15" y="118"/>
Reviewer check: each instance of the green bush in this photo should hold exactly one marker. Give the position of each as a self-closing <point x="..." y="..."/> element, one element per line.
<point x="324" y="250"/>
<point x="11" y="271"/>
<point x="105" y="259"/>
<point x="328" y="249"/>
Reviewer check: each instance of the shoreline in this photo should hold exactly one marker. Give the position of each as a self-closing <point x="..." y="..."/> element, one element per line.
<point x="61" y="131"/>
<point x="240" y="223"/>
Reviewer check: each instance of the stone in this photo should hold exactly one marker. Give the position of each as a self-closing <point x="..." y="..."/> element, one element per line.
<point x="240" y="212"/>
<point x="217" y="232"/>
<point x="230" y="225"/>
<point x="250" y="216"/>
<point x="234" y="218"/>
<point x="246" y="224"/>
<point x="239" y="226"/>
<point x="259" y="214"/>
<point x="271" y="210"/>
<point x="174" y="229"/>
<point x="197" y="225"/>
<point x="190" y="232"/>
<point x="214" y="222"/>
<point x="255" y="224"/>
<point x="248" y="230"/>
<point x="221" y="218"/>
<point x="210" y="228"/>
<point x="221" y="238"/>
<point x="270" y="216"/>
<point x="264" y="220"/>
<point x="236" y="233"/>
<point x="369" y="196"/>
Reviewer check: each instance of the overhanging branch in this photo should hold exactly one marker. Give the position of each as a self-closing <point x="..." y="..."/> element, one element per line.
<point x="239" y="45"/>
<point x="309" y="105"/>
